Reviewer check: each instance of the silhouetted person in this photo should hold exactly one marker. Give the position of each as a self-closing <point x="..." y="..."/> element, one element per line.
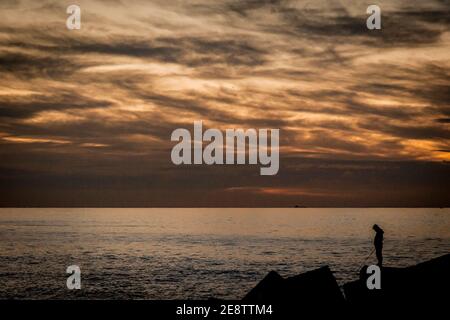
<point x="378" y="243"/>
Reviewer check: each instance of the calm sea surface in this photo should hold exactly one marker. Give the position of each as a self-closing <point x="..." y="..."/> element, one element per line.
<point x="199" y="253"/>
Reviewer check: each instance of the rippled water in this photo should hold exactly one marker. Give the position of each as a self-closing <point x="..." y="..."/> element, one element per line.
<point x="199" y="253"/>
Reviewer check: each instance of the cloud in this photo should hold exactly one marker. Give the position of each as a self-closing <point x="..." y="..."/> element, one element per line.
<point x="27" y="65"/>
<point x="30" y="105"/>
<point x="349" y="102"/>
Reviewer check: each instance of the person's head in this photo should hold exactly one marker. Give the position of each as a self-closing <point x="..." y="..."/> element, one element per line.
<point x="376" y="228"/>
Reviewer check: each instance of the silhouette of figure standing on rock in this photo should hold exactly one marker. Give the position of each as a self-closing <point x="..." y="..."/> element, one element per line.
<point x="378" y="243"/>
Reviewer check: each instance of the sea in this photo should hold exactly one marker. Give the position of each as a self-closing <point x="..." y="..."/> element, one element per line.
<point x="191" y="253"/>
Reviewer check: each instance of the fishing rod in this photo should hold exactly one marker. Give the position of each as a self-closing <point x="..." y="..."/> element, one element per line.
<point x="371" y="252"/>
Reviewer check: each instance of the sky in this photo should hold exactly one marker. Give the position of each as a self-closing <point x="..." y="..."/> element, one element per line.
<point x="86" y="115"/>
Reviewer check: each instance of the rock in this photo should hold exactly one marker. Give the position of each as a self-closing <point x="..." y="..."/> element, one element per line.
<point x="410" y="287"/>
<point x="312" y="288"/>
<point x="267" y="289"/>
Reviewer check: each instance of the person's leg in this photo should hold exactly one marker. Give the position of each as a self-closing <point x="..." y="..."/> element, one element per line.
<point x="379" y="254"/>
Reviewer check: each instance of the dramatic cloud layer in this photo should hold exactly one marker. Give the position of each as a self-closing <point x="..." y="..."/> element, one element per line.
<point x="86" y="115"/>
